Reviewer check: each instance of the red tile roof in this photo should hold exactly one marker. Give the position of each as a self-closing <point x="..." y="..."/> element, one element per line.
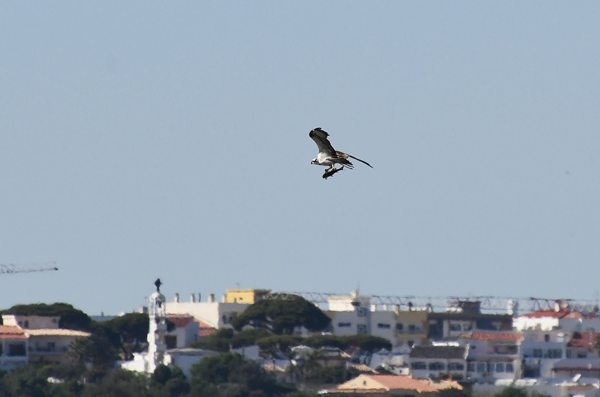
<point x="403" y="382"/>
<point x="180" y="321"/>
<point x="206" y="329"/>
<point x="547" y="313"/>
<point x="12" y="332"/>
<point x="562" y="313"/>
<point x="585" y="339"/>
<point x="493" y="335"/>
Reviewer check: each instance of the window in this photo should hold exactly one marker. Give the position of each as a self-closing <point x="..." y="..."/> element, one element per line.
<point x="418" y="365"/>
<point x="342" y="325"/>
<point x="499" y="367"/>
<point x="16" y="349"/>
<point x="509" y="368"/>
<point x="553" y="353"/>
<point x="537" y="353"/>
<point x="361" y="329"/>
<point x="51" y="346"/>
<point x="412" y="328"/>
<point x="1" y="349"/>
<point x="455" y="327"/>
<point x="471" y="367"/>
<point x="481" y="367"/>
<point x="383" y="326"/>
<point x="437" y="366"/>
<point x="361" y="312"/>
<point x="171" y="341"/>
<point x="456" y="367"/>
<point x="399" y="326"/>
<point x="546" y="338"/>
<point x="505" y="349"/>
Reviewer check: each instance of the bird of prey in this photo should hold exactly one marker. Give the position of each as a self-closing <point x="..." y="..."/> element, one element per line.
<point x="328" y="156"/>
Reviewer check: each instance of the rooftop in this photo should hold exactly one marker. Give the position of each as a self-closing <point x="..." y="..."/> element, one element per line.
<point x="585" y="339"/>
<point x="504" y="336"/>
<point x="449" y="352"/>
<point x="12" y="332"/>
<point x="368" y="382"/>
<point x="180" y="320"/>
<point x="547" y="313"/>
<point x="57" y="332"/>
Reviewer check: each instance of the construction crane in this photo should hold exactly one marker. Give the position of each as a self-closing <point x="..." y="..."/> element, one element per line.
<point x="12" y="268"/>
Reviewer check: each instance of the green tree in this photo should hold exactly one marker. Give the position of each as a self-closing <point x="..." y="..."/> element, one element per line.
<point x="281" y="314"/>
<point x="32" y="381"/>
<point x="27" y="382"/>
<point x="231" y="375"/>
<point x="96" y="350"/>
<point x="119" y="383"/>
<point x="220" y="341"/>
<point x="168" y="382"/>
<point x="131" y="327"/>
<point x="368" y="343"/>
<point x="512" y="391"/>
<point x="225" y="339"/>
<point x="301" y="394"/>
<point x="127" y="333"/>
<point x="278" y="342"/>
<point x="3" y="387"/>
<point x="365" y="343"/>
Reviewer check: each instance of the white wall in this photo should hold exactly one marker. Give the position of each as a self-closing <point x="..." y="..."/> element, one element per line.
<point x="31" y="322"/>
<point x="216" y="314"/>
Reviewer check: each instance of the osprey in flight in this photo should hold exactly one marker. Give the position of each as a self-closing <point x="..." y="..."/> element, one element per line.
<point x="328" y="156"/>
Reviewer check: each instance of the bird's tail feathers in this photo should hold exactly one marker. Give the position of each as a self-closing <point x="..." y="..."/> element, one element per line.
<point x="362" y="161"/>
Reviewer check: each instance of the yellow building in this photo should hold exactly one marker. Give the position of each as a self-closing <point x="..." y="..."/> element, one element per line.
<point x="247" y="296"/>
<point x="411" y="327"/>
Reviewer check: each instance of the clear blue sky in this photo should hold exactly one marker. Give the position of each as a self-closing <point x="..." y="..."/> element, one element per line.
<point x="170" y="139"/>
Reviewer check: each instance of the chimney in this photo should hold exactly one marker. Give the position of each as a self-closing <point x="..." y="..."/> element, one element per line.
<point x="176" y="300"/>
<point x="211" y="298"/>
<point x="193" y="298"/>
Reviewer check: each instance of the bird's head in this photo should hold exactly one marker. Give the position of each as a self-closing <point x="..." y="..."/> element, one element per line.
<point x="314" y="161"/>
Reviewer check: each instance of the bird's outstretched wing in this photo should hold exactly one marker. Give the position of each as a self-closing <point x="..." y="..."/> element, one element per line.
<point x="320" y="138"/>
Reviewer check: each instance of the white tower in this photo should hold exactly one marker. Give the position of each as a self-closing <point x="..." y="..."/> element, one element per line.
<point x="157" y="328"/>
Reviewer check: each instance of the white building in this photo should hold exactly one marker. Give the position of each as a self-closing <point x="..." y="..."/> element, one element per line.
<point x="493" y="355"/>
<point x="561" y="317"/>
<point x="46" y="341"/>
<point x="540" y="350"/>
<point x="355" y="315"/>
<point x="185" y="333"/>
<point x="556" y="339"/>
<point x="216" y="314"/>
<point x="438" y="361"/>
<point x="13" y="347"/>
